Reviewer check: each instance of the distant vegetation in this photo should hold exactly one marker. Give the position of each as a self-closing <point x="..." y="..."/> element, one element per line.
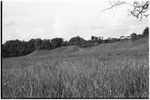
<point x="14" y="48"/>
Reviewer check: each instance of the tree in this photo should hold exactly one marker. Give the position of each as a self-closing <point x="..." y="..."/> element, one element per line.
<point x="94" y="38"/>
<point x="37" y="44"/>
<point x="110" y="39"/>
<point x="24" y="51"/>
<point x="133" y="36"/>
<point x="77" y="41"/>
<point x="30" y="45"/>
<point x="10" y="48"/>
<point x="4" y="52"/>
<point x="140" y="9"/>
<point x="46" y="44"/>
<point x="146" y="32"/>
<point x="65" y="43"/>
<point x="122" y="37"/>
<point x="100" y="39"/>
<point x="56" y="42"/>
<point x="139" y="36"/>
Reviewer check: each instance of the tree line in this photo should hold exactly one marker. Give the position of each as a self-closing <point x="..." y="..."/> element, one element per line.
<point x="15" y="48"/>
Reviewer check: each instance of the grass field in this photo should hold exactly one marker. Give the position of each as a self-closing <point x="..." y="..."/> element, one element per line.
<point x="113" y="70"/>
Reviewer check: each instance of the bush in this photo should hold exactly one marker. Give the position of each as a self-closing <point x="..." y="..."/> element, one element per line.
<point x="134" y="36"/>
<point x="146" y="32"/>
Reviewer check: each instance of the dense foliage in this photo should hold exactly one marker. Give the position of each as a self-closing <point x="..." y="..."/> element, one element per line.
<point x="14" y="48"/>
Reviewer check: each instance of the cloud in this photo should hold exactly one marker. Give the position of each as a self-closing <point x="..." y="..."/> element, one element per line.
<point x="11" y="23"/>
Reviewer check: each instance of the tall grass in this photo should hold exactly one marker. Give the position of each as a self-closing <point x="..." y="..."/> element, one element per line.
<point x="110" y="75"/>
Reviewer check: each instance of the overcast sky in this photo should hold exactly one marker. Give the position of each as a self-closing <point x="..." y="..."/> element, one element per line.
<point x="25" y="20"/>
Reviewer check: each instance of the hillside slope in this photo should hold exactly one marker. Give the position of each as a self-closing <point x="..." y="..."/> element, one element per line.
<point x="116" y="70"/>
<point x="57" y="51"/>
<point x="139" y="44"/>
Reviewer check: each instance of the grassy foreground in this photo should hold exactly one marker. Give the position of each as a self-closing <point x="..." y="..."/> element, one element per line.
<point x="113" y="74"/>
